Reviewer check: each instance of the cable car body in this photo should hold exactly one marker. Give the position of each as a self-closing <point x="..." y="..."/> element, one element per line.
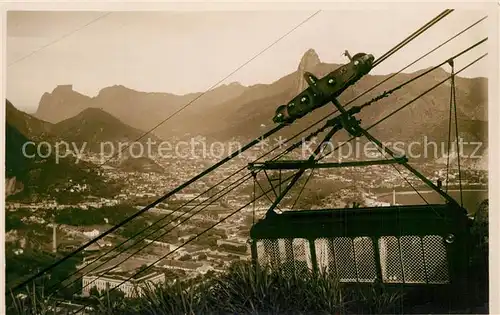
<point x="321" y="91"/>
<point x="403" y="245"/>
<point x="423" y="246"/>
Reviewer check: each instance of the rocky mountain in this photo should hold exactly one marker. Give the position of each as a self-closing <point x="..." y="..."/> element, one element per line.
<point x="308" y="62"/>
<point x="246" y="112"/>
<point x="427" y="113"/>
<point x="140" y="110"/>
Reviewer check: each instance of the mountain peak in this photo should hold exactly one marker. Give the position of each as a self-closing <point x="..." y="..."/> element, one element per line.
<point x="63" y="87"/>
<point x="309" y="60"/>
<point x="115" y="89"/>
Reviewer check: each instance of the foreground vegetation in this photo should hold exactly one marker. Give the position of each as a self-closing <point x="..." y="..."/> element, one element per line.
<point x="246" y="290"/>
<point x="243" y="289"/>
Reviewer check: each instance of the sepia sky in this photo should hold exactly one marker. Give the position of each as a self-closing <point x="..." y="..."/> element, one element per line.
<point x="182" y="52"/>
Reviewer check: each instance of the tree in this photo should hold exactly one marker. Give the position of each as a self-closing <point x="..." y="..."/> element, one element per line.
<point x="94" y="292"/>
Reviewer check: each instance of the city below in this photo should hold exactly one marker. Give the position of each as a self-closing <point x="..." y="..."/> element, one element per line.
<point x="58" y="228"/>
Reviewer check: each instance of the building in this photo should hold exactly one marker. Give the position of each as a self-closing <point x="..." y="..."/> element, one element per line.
<point x="92" y="234"/>
<point x="128" y="287"/>
<point x="179" y="265"/>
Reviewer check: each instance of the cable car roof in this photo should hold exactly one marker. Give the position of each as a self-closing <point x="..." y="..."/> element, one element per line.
<point x="370" y="221"/>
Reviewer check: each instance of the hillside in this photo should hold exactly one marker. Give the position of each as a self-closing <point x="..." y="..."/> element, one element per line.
<point x="140" y="110"/>
<point x="32" y="177"/>
<point x="94" y="127"/>
<point x="141" y="164"/>
<point x="26" y="124"/>
<point x="237" y="111"/>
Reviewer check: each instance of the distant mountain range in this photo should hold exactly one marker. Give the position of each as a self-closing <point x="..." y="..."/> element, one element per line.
<point x="33" y="177"/>
<point x="233" y="111"/>
<point x="238" y="111"/>
<point x="92" y="126"/>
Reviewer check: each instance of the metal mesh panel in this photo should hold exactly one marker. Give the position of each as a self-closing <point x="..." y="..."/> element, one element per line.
<point x="390" y="259"/>
<point x="345" y="261"/>
<point x="302" y="254"/>
<point x="324" y="255"/>
<point x="435" y="259"/>
<point x="365" y="259"/>
<point x="286" y="255"/>
<point x="409" y="259"/>
<point x="267" y="251"/>
<point x="413" y="259"/>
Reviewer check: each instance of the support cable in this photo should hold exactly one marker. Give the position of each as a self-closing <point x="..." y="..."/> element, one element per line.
<point x="387" y="93"/>
<point x="417" y="60"/>
<point x="302" y="189"/>
<point x="453" y="89"/>
<point x="245" y="177"/>
<point x="288" y="178"/>
<point x="185" y="243"/>
<point x="401" y="85"/>
<point x="409" y="103"/>
<point x="253" y="196"/>
<point x="239" y="182"/>
<point x="179" y="208"/>
<point x="149" y="207"/>
<point x="449" y="138"/>
<point x="412" y="36"/>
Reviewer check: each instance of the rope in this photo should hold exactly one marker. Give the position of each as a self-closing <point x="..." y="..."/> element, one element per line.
<point x="253" y="196"/>
<point x="151" y="205"/>
<point x="387" y="93"/>
<point x="184" y="185"/>
<point x="420" y="58"/>
<point x="241" y="182"/>
<point x="59" y="39"/>
<point x="147" y="208"/>
<point x="267" y="153"/>
<point x="449" y="135"/>
<point x="407" y="104"/>
<point x="185" y="243"/>
<point x="456" y="132"/>
<point x="412" y="36"/>
<point x="411" y="80"/>
<point x="427" y="91"/>
<point x="164" y="217"/>
<point x="140" y="271"/>
<point x="303" y="187"/>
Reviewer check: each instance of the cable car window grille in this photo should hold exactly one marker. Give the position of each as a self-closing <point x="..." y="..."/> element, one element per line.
<point x="435" y="259"/>
<point x="268" y="252"/>
<point x="345" y="259"/>
<point x="365" y="259"/>
<point x="390" y="260"/>
<point x="302" y="254"/>
<point x="423" y="260"/>
<point x="413" y="259"/>
<point x="289" y="255"/>
<point x="324" y="255"/>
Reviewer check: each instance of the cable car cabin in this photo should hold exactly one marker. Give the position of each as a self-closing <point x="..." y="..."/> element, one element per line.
<point x="409" y="245"/>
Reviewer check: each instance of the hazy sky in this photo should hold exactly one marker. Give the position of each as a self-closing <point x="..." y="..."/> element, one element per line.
<point x="181" y="52"/>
